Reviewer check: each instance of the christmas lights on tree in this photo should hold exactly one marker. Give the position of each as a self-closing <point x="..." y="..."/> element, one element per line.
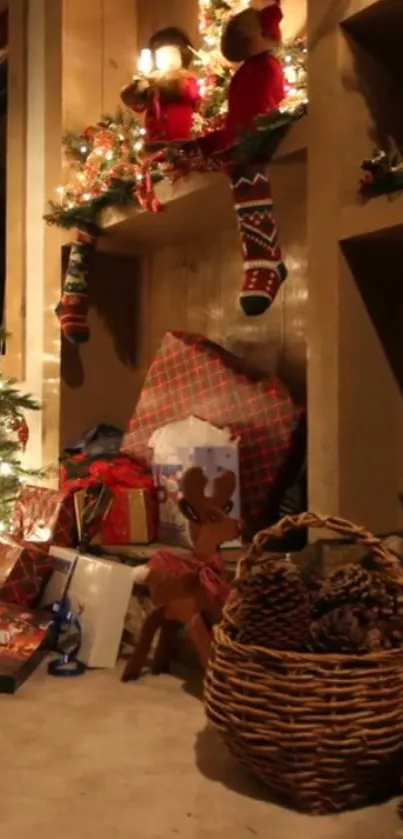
<point x="13" y="439"/>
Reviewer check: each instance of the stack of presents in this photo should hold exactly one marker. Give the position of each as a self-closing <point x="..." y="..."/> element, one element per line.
<point x="146" y="523"/>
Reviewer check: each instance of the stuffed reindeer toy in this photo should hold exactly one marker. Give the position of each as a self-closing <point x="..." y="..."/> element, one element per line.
<point x="189" y="591"/>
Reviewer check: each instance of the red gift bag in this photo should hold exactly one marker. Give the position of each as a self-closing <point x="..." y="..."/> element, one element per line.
<point x="24" y="571"/>
<point x="191" y="375"/>
<point x="45" y="516"/>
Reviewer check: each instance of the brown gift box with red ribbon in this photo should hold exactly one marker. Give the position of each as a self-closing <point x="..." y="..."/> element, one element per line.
<point x="24" y="571"/>
<point x="45" y="517"/>
<point x="129" y="519"/>
<point x="115" y="503"/>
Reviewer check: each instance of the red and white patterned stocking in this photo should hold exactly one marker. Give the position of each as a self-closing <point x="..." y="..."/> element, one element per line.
<point x="264" y="268"/>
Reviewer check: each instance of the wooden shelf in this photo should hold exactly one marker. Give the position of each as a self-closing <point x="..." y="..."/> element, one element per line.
<point x="194" y="205"/>
<point x="378" y="27"/>
<point x="377" y="216"/>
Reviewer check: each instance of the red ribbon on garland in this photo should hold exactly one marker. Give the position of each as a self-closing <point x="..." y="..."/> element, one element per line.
<point x="145" y="191"/>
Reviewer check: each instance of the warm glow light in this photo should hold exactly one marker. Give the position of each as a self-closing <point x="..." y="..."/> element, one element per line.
<point x="6" y="469"/>
<point x="168" y="58"/>
<point x="145" y="63"/>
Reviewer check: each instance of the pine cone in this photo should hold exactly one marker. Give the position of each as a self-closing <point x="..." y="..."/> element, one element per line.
<point x="351" y="584"/>
<point x="341" y="630"/>
<point x="375" y="640"/>
<point x="393" y="632"/>
<point x="274" y="608"/>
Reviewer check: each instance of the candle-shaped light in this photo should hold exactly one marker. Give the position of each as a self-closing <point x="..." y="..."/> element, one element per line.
<point x="168" y="58"/>
<point x="145" y="62"/>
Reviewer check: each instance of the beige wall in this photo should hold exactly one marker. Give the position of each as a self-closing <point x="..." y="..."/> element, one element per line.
<point x="191" y="286"/>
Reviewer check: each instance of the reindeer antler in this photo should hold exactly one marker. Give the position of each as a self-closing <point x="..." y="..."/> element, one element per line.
<point x="194" y="484"/>
<point x="224" y="488"/>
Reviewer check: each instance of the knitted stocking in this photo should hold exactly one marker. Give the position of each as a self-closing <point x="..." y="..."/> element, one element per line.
<point x="264" y="268"/>
<point x="72" y="310"/>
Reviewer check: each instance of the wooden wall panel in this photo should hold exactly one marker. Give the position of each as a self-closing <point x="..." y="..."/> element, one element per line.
<point x="53" y="119"/>
<point x="82" y="63"/>
<point x="99" y="53"/>
<point x="195" y="287"/>
<point x="119" y="50"/>
<point x="101" y="379"/>
<point x="14" y="362"/>
<point x="157" y="14"/>
<point x="192" y="287"/>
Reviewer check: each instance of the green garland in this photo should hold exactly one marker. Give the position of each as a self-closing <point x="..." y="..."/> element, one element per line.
<point x="116" y="178"/>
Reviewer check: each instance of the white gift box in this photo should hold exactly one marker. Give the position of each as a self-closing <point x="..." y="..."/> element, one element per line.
<point x="98" y="591"/>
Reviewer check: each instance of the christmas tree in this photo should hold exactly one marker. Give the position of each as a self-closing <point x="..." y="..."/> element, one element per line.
<point x="215" y="73"/>
<point x="13" y="439"/>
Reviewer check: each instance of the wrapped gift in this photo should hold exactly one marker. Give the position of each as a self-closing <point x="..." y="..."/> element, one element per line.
<point x="129" y="518"/>
<point x="191" y="375"/>
<point x="107" y="510"/>
<point x="23" y="644"/>
<point x="98" y="591"/>
<point x="167" y="446"/>
<point x="45" y="516"/>
<point x="24" y="570"/>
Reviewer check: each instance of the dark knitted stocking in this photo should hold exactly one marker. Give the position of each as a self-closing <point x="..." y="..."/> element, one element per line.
<point x="264" y="268"/>
<point x="72" y="310"/>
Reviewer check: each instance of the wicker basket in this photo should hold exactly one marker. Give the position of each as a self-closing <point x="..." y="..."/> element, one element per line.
<point x="324" y="732"/>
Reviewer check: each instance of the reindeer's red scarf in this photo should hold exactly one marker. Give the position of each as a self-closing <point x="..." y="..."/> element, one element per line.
<point x="179" y="574"/>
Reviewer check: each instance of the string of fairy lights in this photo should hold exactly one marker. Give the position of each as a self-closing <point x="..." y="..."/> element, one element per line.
<point x="105" y="163"/>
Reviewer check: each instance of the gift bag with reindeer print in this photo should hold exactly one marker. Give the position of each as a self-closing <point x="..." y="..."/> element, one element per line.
<point x="178" y="447"/>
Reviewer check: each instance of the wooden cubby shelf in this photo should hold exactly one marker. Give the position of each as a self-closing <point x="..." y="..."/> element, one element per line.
<point x="194" y="205"/>
<point x="377" y="215"/>
<point x="378" y="27"/>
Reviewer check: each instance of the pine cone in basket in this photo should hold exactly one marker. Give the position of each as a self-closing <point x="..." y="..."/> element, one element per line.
<point x="352" y="584"/>
<point x="345" y="630"/>
<point x="357" y="583"/>
<point x="273" y="608"/>
<point x="359" y="609"/>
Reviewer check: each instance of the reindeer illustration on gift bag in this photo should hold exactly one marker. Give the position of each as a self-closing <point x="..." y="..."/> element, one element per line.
<point x="180" y="587"/>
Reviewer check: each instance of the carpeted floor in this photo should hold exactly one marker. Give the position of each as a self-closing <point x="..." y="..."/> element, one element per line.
<point x="94" y="756"/>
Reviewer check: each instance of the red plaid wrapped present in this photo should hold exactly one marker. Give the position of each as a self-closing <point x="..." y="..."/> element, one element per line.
<point x="24" y="571"/>
<point x="44" y="515"/>
<point x="191" y="375"/>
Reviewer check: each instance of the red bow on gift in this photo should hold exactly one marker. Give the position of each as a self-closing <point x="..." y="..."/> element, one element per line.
<point x="112" y="474"/>
<point x="121" y="473"/>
